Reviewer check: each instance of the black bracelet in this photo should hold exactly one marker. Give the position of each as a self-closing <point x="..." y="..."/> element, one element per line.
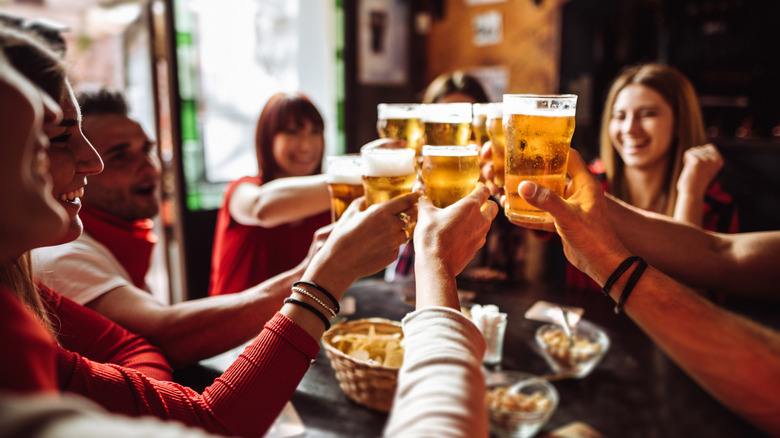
<point x="618" y="272"/>
<point x="310" y="308"/>
<point x="332" y="299"/>
<point x="640" y="268"/>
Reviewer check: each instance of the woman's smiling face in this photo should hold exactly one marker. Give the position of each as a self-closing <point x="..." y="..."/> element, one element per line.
<point x="30" y="217"/>
<point x="642" y="126"/>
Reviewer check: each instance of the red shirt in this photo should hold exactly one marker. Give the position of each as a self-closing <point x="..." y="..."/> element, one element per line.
<point x="244" y="256"/>
<point x="28" y="349"/>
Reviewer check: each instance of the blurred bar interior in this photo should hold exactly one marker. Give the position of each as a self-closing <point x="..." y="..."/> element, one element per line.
<point x="197" y="73"/>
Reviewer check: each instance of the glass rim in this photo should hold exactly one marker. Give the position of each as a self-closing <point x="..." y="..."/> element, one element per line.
<point x="450" y="147"/>
<point x="399" y="110"/>
<point x="453" y="112"/>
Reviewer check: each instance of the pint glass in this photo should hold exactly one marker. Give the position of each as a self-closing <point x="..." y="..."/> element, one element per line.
<point x="447" y="123"/>
<point x="387" y="173"/>
<point x="538" y="132"/>
<point x="449" y="172"/>
<point x="345" y="182"/>
<point x="401" y="121"/>
<point x="495" y="132"/>
<point x="479" y="123"/>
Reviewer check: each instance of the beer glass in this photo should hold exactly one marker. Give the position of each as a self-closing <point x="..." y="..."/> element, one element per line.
<point x="401" y="121"/>
<point x="538" y="131"/>
<point x="449" y="172"/>
<point x="447" y="123"/>
<point x="387" y="173"/>
<point x="345" y="183"/>
<point x="479" y="123"/>
<point x="495" y="132"/>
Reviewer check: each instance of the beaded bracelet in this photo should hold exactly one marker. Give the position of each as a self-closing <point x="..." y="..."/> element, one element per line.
<point x="310" y="308"/>
<point x="640" y="268"/>
<point x="321" y="289"/>
<point x="303" y="291"/>
<point x="618" y="272"/>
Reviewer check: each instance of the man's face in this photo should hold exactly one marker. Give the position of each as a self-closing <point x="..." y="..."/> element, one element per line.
<point x="129" y="187"/>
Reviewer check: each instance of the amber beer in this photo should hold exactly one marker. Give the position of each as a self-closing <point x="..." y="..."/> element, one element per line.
<point x="345" y="182"/>
<point x="495" y="130"/>
<point x="479" y="123"/>
<point x="401" y="121"/>
<point x="387" y="173"/>
<point x="447" y="123"/>
<point x="449" y="172"/>
<point x="538" y="131"/>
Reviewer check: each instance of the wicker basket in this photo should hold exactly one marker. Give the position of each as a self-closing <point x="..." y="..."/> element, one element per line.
<point x="371" y="385"/>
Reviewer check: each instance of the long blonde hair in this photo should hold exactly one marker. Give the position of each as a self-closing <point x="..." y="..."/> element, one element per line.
<point x="679" y="93"/>
<point x="17" y="276"/>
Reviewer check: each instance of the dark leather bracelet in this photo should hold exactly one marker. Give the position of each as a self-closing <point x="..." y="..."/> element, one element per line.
<point x="640" y="268"/>
<point x="310" y="308"/>
<point x="330" y="296"/>
<point x="617" y="273"/>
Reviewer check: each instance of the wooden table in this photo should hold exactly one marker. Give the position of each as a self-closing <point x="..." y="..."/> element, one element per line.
<point x="636" y="391"/>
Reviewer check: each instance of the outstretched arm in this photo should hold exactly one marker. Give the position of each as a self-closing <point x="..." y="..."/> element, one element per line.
<point x="441" y="388"/>
<point x="701" y="165"/>
<point x="734" y="359"/>
<point x="279" y="201"/>
<point x="743" y="263"/>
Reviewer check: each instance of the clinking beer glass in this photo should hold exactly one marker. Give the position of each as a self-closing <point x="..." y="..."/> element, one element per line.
<point x="401" y="121"/>
<point x="345" y="183"/>
<point x="538" y="131"/>
<point x="447" y="123"/>
<point x="387" y="173"/>
<point x="450" y="173"/>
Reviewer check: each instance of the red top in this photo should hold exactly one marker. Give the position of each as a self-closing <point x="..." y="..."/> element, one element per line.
<point x="90" y="334"/>
<point x="244" y="256"/>
<point x="28" y="349"/>
<point x="720" y="215"/>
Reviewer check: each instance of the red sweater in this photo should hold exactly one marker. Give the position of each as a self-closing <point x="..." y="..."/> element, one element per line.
<point x="244" y="256"/>
<point x="244" y="401"/>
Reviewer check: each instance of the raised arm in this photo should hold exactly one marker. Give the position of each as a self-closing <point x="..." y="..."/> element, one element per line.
<point x="441" y="389"/>
<point x="736" y="360"/>
<point x="279" y="201"/>
<point x="740" y="264"/>
<point x="701" y="165"/>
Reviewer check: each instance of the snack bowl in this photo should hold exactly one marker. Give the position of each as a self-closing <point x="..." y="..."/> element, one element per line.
<point x="366" y="355"/>
<point x="519" y="404"/>
<point x="579" y="359"/>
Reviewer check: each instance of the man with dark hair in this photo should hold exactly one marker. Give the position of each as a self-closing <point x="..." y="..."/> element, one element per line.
<point x="105" y="269"/>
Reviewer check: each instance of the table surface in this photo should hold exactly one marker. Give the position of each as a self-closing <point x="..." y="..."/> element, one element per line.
<point x="636" y="391"/>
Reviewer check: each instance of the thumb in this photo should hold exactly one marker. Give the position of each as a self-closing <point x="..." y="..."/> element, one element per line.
<point x="541" y="197"/>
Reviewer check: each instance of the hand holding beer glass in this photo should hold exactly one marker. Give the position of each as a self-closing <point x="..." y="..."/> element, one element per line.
<point x="538" y="131"/>
<point x="447" y="123"/>
<point x="345" y="183"/>
<point x="450" y="173"/>
<point x="388" y="174"/>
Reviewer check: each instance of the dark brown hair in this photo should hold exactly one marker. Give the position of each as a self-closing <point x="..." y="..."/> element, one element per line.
<point x="282" y="111"/>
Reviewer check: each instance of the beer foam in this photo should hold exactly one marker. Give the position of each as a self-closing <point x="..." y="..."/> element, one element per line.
<point x="388" y="162"/>
<point x="450" y="151"/>
<point x="447" y="112"/>
<point x="399" y="111"/>
<point x="352" y="178"/>
<point x="530" y="105"/>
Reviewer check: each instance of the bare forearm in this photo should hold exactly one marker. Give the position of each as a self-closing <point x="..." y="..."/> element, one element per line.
<point x="435" y="286"/>
<point x="689" y="208"/>
<point x="734" y="359"/>
<point x="284" y="200"/>
<point x="197" y="329"/>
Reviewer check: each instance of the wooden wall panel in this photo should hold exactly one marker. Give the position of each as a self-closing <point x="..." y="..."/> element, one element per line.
<point x="529" y="50"/>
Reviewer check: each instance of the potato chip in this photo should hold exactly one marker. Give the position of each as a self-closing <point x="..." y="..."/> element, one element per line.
<point x="386" y="350"/>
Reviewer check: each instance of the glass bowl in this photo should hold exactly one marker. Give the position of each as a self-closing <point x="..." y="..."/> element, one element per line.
<point x="577" y="361"/>
<point x="519" y="404"/>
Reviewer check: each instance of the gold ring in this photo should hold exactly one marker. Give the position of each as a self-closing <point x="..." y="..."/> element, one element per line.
<point x="406" y="232"/>
<point x="405" y="218"/>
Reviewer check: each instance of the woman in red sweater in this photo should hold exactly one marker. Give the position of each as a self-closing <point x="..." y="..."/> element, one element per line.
<point x="246" y="399"/>
<point x="267" y="221"/>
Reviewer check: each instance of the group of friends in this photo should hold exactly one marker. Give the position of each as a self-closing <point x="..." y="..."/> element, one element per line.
<point x="85" y="340"/>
